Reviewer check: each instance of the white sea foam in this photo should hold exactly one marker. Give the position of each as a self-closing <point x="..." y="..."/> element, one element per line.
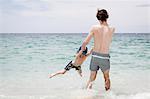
<point x="85" y="94"/>
<point x="111" y="95"/>
<point x="27" y="97"/>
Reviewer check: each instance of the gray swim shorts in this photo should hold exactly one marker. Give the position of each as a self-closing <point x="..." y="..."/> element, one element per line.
<point x="101" y="61"/>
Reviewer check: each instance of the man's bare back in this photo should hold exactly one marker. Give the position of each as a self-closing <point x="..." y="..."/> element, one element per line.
<point x="102" y="38"/>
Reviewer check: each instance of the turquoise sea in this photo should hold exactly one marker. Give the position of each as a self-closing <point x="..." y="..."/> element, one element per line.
<point x="26" y="60"/>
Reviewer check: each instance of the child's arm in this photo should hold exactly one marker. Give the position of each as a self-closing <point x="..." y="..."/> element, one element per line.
<point x="89" y="52"/>
<point x="78" y="54"/>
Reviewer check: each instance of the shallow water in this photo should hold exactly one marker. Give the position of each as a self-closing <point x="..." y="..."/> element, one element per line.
<point x="26" y="60"/>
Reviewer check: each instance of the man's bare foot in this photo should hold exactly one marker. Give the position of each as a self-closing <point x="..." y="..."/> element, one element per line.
<point x="107" y="85"/>
<point x="90" y="85"/>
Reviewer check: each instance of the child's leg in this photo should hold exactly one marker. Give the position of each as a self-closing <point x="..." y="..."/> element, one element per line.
<point x="57" y="73"/>
<point x="80" y="72"/>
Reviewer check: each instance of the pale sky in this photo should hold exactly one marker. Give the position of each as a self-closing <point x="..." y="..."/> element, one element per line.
<point x="72" y="16"/>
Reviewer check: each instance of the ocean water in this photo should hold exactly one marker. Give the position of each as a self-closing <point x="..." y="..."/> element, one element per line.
<point x="26" y="60"/>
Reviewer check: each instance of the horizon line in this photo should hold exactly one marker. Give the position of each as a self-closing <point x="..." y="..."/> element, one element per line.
<point x="67" y="33"/>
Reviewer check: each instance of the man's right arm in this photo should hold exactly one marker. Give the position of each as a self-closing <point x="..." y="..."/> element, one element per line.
<point x="87" y="39"/>
<point x="78" y="54"/>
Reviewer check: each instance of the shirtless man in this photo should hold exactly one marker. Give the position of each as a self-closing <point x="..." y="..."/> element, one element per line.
<point x="102" y="34"/>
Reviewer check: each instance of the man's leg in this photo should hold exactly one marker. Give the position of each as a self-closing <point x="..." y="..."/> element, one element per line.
<point x="57" y="73"/>
<point x="107" y="80"/>
<point x="92" y="78"/>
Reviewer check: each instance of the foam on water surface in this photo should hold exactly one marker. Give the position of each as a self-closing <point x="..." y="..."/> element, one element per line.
<point x="84" y="94"/>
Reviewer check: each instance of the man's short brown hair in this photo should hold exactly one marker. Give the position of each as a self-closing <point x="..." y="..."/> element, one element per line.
<point x="102" y="15"/>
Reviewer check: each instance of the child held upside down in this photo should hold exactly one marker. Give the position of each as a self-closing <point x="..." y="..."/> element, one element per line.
<point x="76" y="64"/>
